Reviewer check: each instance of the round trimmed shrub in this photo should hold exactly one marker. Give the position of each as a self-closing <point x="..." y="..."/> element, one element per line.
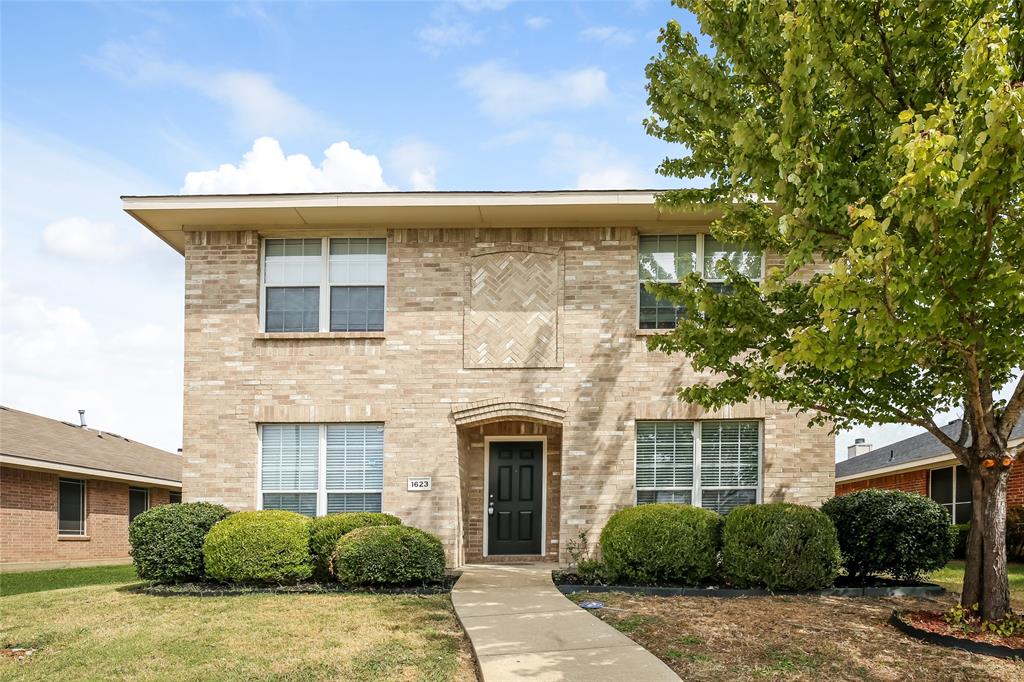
<point x="325" y="531"/>
<point x="779" y="546"/>
<point x="960" y="532"/>
<point x="167" y="541"/>
<point x="662" y="544"/>
<point x="269" y="547"/>
<point x="388" y="555"/>
<point x="890" y="532"/>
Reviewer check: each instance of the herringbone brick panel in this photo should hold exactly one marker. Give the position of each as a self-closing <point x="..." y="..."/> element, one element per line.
<point x="512" y="320"/>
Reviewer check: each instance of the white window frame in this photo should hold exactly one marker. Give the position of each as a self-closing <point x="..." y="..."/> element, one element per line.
<point x="696" y="492"/>
<point x="137" y="488"/>
<point x="700" y="270"/>
<point x="321" y="490"/>
<point x="953" y="503"/>
<point x="325" y="283"/>
<point x="85" y="507"/>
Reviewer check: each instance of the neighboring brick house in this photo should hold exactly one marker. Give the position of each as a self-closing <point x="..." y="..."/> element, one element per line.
<point x="474" y="362"/>
<point x="68" y="492"/>
<point x="921" y="464"/>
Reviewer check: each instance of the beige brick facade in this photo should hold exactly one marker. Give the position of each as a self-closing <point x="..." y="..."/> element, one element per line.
<point x="576" y="371"/>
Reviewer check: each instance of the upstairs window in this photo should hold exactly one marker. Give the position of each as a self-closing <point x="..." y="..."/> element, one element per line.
<point x="710" y="464"/>
<point x="667" y="259"/>
<point x="318" y="285"/>
<point x="664" y="259"/>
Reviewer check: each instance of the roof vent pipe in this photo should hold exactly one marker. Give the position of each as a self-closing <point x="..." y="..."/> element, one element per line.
<point x="81" y="418"/>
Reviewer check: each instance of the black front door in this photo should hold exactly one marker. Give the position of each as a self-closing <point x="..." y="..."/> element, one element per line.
<point x="514" y="498"/>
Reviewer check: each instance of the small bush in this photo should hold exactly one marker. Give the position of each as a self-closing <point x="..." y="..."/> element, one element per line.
<point x="325" y="531"/>
<point x="1015" y="533"/>
<point x="388" y="555"/>
<point x="167" y="541"/>
<point x="661" y="543"/>
<point x="270" y="547"/>
<point x="890" y="532"/>
<point x="960" y="532"/>
<point x="779" y="546"/>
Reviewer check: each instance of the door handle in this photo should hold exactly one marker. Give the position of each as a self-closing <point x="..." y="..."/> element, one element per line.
<point x="490" y="510"/>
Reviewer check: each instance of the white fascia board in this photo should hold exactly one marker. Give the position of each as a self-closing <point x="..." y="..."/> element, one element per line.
<point x="89" y="472"/>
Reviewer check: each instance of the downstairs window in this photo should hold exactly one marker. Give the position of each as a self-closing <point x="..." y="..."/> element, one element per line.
<point x="317" y="469"/>
<point x="710" y="464"/>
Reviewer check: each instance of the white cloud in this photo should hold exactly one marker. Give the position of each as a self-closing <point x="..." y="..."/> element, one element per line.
<point x="257" y="105"/>
<point x="56" y="361"/>
<point x="595" y="164"/>
<point x="484" y="5"/>
<point x="612" y="177"/>
<point x="85" y="239"/>
<point x="445" y="33"/>
<point x="265" y="168"/>
<point x="415" y="162"/>
<point x="505" y="93"/>
<point x="536" y="23"/>
<point x="609" y="35"/>
<point x="45" y="340"/>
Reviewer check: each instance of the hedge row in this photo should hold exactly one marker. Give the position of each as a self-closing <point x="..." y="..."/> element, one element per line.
<point x="196" y="541"/>
<point x="778" y="546"/>
<point x="774" y="546"/>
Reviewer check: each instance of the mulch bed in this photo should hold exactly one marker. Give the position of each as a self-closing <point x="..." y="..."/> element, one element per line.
<point x="794" y="638"/>
<point x="222" y="590"/>
<point x="569" y="583"/>
<point x="930" y="626"/>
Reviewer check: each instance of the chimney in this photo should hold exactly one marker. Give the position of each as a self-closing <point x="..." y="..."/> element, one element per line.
<point x="859" y="447"/>
<point x="81" y="418"/>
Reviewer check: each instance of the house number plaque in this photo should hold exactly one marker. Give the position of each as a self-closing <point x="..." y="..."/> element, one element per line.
<point x="418" y="484"/>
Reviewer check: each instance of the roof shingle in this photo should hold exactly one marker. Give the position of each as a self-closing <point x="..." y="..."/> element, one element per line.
<point x="922" y="446"/>
<point x="30" y="436"/>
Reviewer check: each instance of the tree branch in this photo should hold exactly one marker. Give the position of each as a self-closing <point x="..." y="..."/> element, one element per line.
<point x="1013" y="411"/>
<point x="890" y="69"/>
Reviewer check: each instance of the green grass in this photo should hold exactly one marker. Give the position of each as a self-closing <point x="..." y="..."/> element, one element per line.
<point x="113" y="632"/>
<point x="952" y="578"/>
<point x="40" y="581"/>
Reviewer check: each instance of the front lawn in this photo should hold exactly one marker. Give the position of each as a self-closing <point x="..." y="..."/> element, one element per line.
<point x="108" y="632"/>
<point x="790" y="638"/>
<point x="38" y="581"/>
<point x="952" y="578"/>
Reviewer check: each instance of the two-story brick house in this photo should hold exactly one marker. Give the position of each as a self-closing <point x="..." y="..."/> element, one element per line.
<point x="474" y="362"/>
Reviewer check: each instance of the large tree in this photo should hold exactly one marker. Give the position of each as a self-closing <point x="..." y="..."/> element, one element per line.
<point x="877" y="146"/>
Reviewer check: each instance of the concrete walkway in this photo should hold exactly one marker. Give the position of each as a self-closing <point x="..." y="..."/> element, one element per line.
<point x="522" y="627"/>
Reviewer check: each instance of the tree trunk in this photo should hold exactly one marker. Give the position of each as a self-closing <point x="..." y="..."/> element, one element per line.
<point x="995" y="591"/>
<point x="973" y="574"/>
<point x="985" y="578"/>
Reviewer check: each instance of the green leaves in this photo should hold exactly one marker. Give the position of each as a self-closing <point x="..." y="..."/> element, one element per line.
<point x="890" y="137"/>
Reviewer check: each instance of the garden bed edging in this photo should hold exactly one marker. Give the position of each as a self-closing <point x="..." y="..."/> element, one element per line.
<point x="951" y="642"/>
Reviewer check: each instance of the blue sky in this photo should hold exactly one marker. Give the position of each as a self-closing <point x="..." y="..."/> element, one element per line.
<point x="104" y="99"/>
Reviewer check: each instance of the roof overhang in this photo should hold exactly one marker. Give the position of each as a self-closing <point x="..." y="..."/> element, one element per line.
<point x="935" y="461"/>
<point x="85" y="472"/>
<point x="169" y="217"/>
<point x="928" y="463"/>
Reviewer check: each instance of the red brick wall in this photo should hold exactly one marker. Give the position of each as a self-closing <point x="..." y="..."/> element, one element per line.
<point x="911" y="482"/>
<point x="28" y="519"/>
<point x="917" y="482"/>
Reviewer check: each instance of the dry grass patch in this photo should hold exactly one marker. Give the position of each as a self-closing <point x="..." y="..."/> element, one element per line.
<point x="106" y="632"/>
<point x="791" y="638"/>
